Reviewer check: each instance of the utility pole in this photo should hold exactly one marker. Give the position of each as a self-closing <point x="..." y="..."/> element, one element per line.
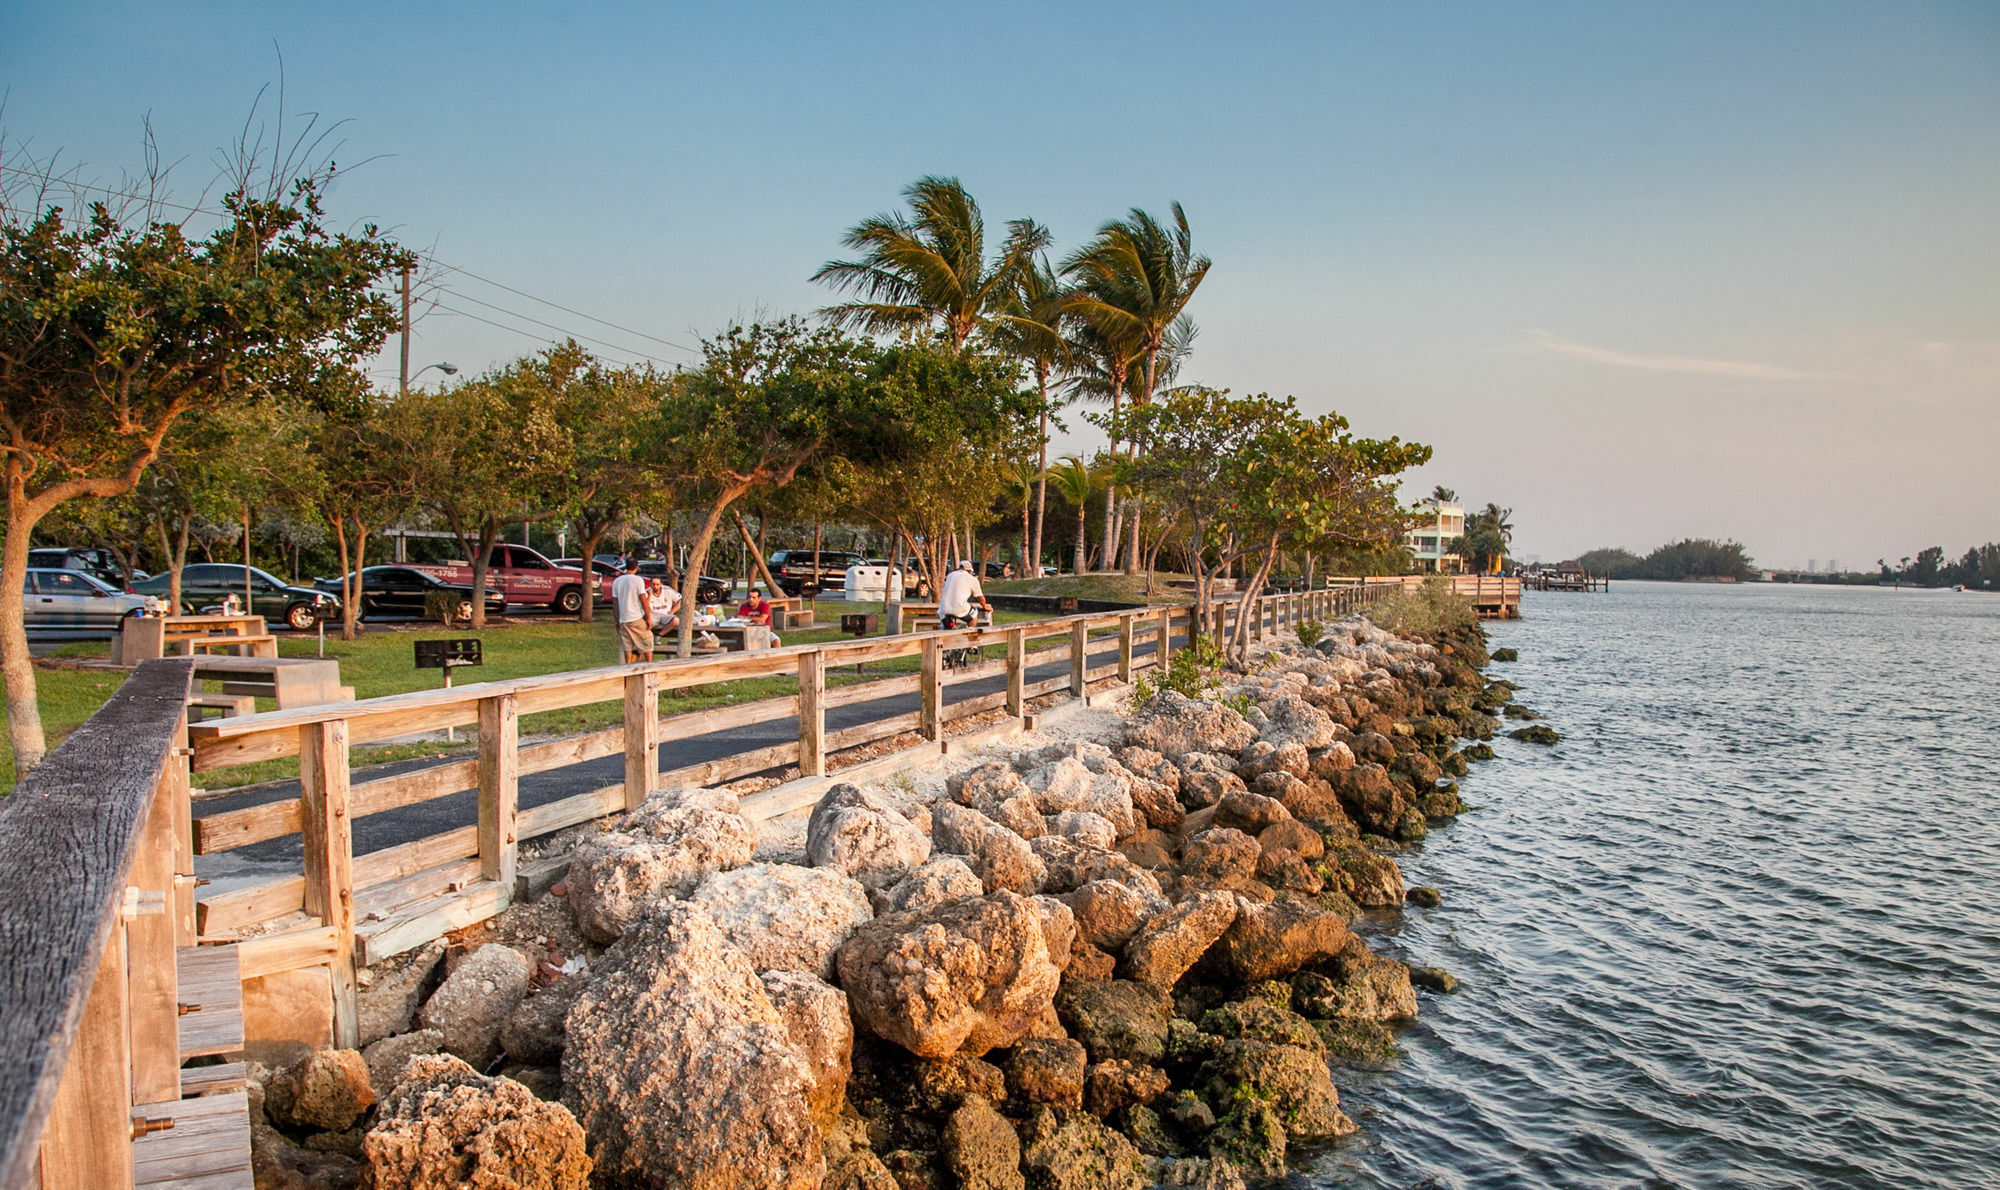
<point x="403" y="387"/>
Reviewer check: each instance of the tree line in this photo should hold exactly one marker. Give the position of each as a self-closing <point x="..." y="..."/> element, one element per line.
<point x="1690" y="558"/>
<point x="155" y="382"/>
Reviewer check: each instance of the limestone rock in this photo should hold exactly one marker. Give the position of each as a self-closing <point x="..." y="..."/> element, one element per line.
<point x="682" y="1072"/>
<point x="1087" y="962"/>
<point x="1174" y="725"/>
<point x="1158" y="803"/>
<point x="1084" y="829"/>
<point x="475" y="1000"/>
<point x="386" y="1004"/>
<point x="1116" y="1084"/>
<point x="937" y="880"/>
<point x="1022" y="815"/>
<point x="325" y="1091"/>
<point x="1205" y="787"/>
<point x="1047" y="1072"/>
<point x="1219" y="856"/>
<point x="1290" y="719"/>
<point x="1116" y="1018"/>
<point x="1067" y="866"/>
<point x="855" y="832"/>
<point x="1292" y="1082"/>
<point x="387" y="1057"/>
<point x="1108" y="913"/>
<point x="1370" y="880"/>
<point x="1059" y="932"/>
<point x="1260" y="1020"/>
<point x="1292" y="835"/>
<point x="533" y="1034"/>
<point x="1375" y="802"/>
<point x="618" y="876"/>
<point x="1169" y="944"/>
<point x="1072" y="1151"/>
<point x="984" y="787"/>
<point x="445" y="1127"/>
<point x="1060" y="784"/>
<point x="1148" y="765"/>
<point x="1288" y="871"/>
<point x="1360" y="985"/>
<point x="784" y="917"/>
<point x="1268" y="941"/>
<point x="969" y="976"/>
<point x="981" y="1149"/>
<point x="817" y="1021"/>
<point x="1249" y="812"/>
<point x="999" y="857"/>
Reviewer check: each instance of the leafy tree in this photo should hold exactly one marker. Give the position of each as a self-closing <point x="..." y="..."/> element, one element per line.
<point x="1076" y="482"/>
<point x="114" y="327"/>
<point x="614" y="420"/>
<point x="929" y="266"/>
<point x="1444" y="495"/>
<point x="499" y="453"/>
<point x="1100" y="370"/>
<point x="1488" y="534"/>
<point x="1615" y="563"/>
<point x="368" y="452"/>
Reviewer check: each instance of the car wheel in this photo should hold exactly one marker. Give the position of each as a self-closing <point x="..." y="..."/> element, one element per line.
<point x="300" y="616"/>
<point x="569" y="600"/>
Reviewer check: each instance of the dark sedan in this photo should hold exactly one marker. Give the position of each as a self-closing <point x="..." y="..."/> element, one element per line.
<point x="402" y="590"/>
<point x="207" y="584"/>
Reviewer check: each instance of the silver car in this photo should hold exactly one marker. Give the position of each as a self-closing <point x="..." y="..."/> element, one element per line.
<point x="72" y="601"/>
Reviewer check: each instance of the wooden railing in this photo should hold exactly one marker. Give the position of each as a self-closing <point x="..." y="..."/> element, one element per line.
<point x="97" y="884"/>
<point x="98" y="845"/>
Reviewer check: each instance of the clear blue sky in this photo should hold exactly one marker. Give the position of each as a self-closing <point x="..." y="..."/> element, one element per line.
<point x="1636" y="271"/>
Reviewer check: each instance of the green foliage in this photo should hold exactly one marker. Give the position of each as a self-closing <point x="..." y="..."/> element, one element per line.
<point x="1310" y="632"/>
<point x="1611" y="561"/>
<point x="1488" y="534"/>
<point x="449" y="608"/>
<point x="1190" y="672"/>
<point x="1693" y="558"/>
<point x="1427" y="611"/>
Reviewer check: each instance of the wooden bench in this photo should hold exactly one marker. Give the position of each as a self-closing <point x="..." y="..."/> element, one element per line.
<point x="228" y="704"/>
<point x="265" y="645"/>
<point x="142" y="638"/>
<point x="290" y="681"/>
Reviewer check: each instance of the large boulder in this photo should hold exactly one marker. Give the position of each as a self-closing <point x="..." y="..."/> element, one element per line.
<point x="389" y="993"/>
<point x="981" y="1149"/>
<point x="1148" y="765"/>
<point x="1072" y="1151"/>
<point x="681" y="1070"/>
<point x="1267" y="941"/>
<point x="325" y="1091"/>
<point x="1067" y="865"/>
<point x="1108" y="913"/>
<point x="1376" y="803"/>
<point x="1174" y="725"/>
<point x="858" y="833"/>
<point x="999" y="857"/>
<point x="474" y="1002"/>
<point x="1291" y="720"/>
<point x="1171" y="943"/>
<point x="1292" y="1082"/>
<point x="937" y="880"/>
<point x="1116" y="1018"/>
<point x="1356" y="984"/>
<point x="1221" y="855"/>
<point x="1084" y="828"/>
<point x="1047" y="1070"/>
<point x="968" y="976"/>
<point x="387" y="1058"/>
<point x="983" y="787"/>
<point x="816" y="1019"/>
<point x="784" y="917"/>
<point x="446" y="1127"/>
<point x="617" y="877"/>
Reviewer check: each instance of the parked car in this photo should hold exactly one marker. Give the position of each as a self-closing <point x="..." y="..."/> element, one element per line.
<point x="97" y="563"/>
<point x="712" y="589"/>
<point x="524" y="576"/>
<point x="402" y="590"/>
<point x="73" y="601"/>
<point x="796" y="569"/>
<point x="207" y="584"/>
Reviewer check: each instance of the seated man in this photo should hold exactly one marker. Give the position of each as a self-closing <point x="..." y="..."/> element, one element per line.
<point x="663" y="600"/>
<point x="755" y="609"/>
<point x="961" y="591"/>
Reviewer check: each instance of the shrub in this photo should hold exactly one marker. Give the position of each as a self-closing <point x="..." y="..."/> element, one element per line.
<point x="448" y="608"/>
<point x="1427" y="611"/>
<point x="1311" y="632"/>
<point x="1189" y="672"/>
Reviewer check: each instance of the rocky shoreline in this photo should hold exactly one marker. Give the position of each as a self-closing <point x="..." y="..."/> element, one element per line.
<point x="1110" y="962"/>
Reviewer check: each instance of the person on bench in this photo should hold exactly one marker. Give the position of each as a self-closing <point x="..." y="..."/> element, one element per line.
<point x="755" y="609"/>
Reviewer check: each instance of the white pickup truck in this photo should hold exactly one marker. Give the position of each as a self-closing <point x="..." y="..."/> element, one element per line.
<point x="524" y="577"/>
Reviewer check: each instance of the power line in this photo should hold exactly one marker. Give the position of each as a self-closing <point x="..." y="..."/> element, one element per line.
<point x="519" y="331"/>
<point x="559" y="306"/>
<point x="538" y="322"/>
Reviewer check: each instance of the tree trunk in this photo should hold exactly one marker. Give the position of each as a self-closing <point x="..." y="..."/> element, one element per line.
<point x="248" y="602"/>
<point x="697" y="560"/>
<point x="1041" y="471"/>
<point x="1082" y="531"/>
<point x="1239" y="639"/>
<point x="591" y="583"/>
<point x="17" y="667"/>
<point x="757" y="557"/>
<point x="350" y="581"/>
<point x="482" y="562"/>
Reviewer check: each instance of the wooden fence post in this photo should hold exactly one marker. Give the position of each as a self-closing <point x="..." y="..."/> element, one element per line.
<point x="151" y="971"/>
<point x="812" y="714"/>
<point x="1125" y="648"/>
<point x="499" y="788"/>
<point x="1017" y="668"/>
<point x="328" y="838"/>
<point x="86" y="1144"/>
<point x="1079" y="658"/>
<point x="642" y="736"/>
<point x="930" y="674"/>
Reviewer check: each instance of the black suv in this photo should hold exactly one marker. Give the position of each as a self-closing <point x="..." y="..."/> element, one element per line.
<point x="97" y="563"/>
<point x="794" y="569"/>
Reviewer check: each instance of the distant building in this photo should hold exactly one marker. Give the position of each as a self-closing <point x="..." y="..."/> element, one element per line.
<point x="1439" y="525"/>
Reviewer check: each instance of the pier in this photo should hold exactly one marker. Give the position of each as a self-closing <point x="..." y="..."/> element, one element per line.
<point x="1567" y="581"/>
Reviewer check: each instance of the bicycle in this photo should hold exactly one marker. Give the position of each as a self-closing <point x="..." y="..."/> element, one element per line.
<point x="964" y="658"/>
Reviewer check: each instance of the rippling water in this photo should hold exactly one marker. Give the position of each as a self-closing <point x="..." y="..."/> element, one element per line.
<point x="1740" y="928"/>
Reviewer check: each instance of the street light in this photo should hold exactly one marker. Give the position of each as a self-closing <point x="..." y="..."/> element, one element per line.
<point x="447" y="369"/>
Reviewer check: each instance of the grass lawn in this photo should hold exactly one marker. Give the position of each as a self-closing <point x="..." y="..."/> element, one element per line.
<point x="382" y="662"/>
<point x="1118" y="588"/>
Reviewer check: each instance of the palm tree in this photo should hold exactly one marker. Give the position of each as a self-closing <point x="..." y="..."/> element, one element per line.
<point x="1075" y="482"/>
<point x="1031" y="330"/>
<point x="1133" y="284"/>
<point x="929" y="265"/>
<point x="1100" y="370"/>
<point x="1022" y="480"/>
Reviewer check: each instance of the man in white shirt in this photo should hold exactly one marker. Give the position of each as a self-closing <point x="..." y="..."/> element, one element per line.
<point x="628" y="595"/>
<point x="961" y="591"/>
<point x="662" y="600"/>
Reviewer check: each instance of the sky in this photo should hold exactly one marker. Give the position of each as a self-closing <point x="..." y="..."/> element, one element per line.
<point x="1637" y="272"/>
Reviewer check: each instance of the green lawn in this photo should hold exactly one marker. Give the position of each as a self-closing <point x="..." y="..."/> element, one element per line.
<point x="1118" y="588"/>
<point x="382" y="662"/>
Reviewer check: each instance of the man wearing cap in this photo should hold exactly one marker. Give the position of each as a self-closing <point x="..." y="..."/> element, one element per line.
<point x="628" y="595"/>
<point x="961" y="591"/>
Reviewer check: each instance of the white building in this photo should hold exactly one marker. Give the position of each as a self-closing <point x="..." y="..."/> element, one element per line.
<point x="1430" y="540"/>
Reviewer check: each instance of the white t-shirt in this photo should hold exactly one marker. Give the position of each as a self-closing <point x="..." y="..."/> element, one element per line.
<point x="628" y="595"/>
<point x="961" y="587"/>
<point x="664" y="601"/>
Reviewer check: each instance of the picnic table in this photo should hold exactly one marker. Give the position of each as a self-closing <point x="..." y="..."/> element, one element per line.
<point x="292" y="681"/>
<point x="790" y="611"/>
<point x="907" y="610"/>
<point x="737" y="638"/>
<point x="142" y="638"/>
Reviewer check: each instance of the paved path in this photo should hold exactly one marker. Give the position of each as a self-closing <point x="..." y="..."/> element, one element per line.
<point x="282" y="856"/>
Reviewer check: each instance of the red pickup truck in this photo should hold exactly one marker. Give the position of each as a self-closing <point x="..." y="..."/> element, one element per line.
<point x="524" y="576"/>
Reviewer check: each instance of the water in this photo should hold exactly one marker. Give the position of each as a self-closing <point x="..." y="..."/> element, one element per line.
<point x="1738" y="929"/>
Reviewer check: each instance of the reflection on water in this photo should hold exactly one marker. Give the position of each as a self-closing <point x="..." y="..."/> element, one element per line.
<point x="1738" y="929"/>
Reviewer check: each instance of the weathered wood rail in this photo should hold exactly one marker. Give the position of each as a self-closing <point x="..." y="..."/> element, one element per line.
<point x="98" y="847"/>
<point x="1493" y="596"/>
